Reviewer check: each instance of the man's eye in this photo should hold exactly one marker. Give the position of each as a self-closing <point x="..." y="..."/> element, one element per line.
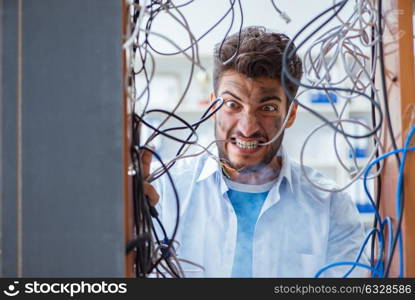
<point x="231" y="104"/>
<point x="270" y="107"/>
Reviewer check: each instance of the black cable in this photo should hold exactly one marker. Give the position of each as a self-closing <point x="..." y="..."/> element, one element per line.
<point x="153" y="13"/>
<point x="193" y="55"/>
<point x="227" y="33"/>
<point x="160" y="272"/>
<point x="143" y="59"/>
<point x="162" y="132"/>
<point x="142" y="220"/>
<point x="164" y="254"/>
<point x="182" y="5"/>
<point x="198" y="39"/>
<point x="206" y="115"/>
<point x="142" y="210"/>
<point x="378" y="178"/>
<point x="184" y="24"/>
<point x="230" y="26"/>
<point x="383" y="83"/>
<point x="371" y="98"/>
<point x="147" y="221"/>
<point x="275" y="7"/>
<point x="285" y="73"/>
<point x="176" y="195"/>
<point x="147" y="79"/>
<point x="143" y="241"/>
<point x="162" y="227"/>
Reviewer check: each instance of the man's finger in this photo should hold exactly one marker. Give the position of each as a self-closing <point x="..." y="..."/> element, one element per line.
<point x="146" y="156"/>
<point x="151" y="193"/>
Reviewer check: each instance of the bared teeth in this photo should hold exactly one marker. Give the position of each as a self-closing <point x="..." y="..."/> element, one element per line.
<point x="246" y="144"/>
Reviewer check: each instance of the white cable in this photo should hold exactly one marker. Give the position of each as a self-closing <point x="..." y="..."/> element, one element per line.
<point x="335" y="190"/>
<point x="137" y="26"/>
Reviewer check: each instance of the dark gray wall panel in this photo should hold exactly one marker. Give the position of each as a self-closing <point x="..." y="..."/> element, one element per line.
<point x="8" y="158"/>
<point x="72" y="183"/>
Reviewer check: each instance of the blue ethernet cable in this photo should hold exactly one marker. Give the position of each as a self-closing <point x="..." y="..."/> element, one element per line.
<point x="347" y="263"/>
<point x="399" y="194"/>
<point x="398" y="190"/>
<point x="387" y="220"/>
<point x="356" y="262"/>
<point x="373" y="231"/>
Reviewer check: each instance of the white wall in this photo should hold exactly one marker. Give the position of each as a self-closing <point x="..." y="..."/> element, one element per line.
<point x="202" y="14"/>
<point x="174" y="71"/>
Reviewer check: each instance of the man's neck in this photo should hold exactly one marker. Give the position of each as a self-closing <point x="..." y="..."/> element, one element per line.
<point x="263" y="175"/>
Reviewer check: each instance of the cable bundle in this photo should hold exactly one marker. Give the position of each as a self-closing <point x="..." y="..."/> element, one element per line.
<point x="354" y="42"/>
<point x="339" y="43"/>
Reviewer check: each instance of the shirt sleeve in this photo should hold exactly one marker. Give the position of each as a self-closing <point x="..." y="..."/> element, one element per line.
<point x="346" y="236"/>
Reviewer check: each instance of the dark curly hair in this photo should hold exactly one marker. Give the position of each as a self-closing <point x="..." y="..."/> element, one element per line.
<point x="260" y="55"/>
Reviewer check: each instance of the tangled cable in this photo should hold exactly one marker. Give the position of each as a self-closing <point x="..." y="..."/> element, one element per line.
<point x="353" y="43"/>
<point x="349" y="43"/>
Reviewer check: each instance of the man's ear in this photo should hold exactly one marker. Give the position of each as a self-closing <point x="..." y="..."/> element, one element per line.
<point x="212" y="97"/>
<point x="292" y="116"/>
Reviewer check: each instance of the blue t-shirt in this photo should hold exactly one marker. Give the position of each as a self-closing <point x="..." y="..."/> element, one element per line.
<point x="247" y="202"/>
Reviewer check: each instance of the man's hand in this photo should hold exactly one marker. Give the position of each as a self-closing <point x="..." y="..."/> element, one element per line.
<point x="149" y="190"/>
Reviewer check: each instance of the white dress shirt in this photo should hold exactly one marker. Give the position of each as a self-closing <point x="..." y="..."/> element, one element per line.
<point x="299" y="230"/>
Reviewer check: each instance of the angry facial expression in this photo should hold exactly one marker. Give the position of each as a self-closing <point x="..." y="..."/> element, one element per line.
<point x="253" y="113"/>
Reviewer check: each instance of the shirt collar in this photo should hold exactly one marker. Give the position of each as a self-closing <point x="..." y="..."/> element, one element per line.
<point x="212" y="166"/>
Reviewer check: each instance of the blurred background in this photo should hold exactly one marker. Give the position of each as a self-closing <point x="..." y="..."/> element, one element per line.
<point x="62" y="118"/>
<point x="172" y="76"/>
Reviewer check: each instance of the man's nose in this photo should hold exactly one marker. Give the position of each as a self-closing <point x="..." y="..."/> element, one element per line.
<point x="248" y="124"/>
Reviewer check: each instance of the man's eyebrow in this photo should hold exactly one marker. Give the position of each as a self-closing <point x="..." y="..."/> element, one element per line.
<point x="264" y="99"/>
<point x="271" y="92"/>
<point x="232" y="94"/>
<point x="267" y="98"/>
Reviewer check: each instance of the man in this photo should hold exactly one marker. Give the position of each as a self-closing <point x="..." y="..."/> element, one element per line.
<point x="254" y="215"/>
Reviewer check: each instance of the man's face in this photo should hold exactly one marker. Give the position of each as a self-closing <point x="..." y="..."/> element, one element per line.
<point x="253" y="112"/>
